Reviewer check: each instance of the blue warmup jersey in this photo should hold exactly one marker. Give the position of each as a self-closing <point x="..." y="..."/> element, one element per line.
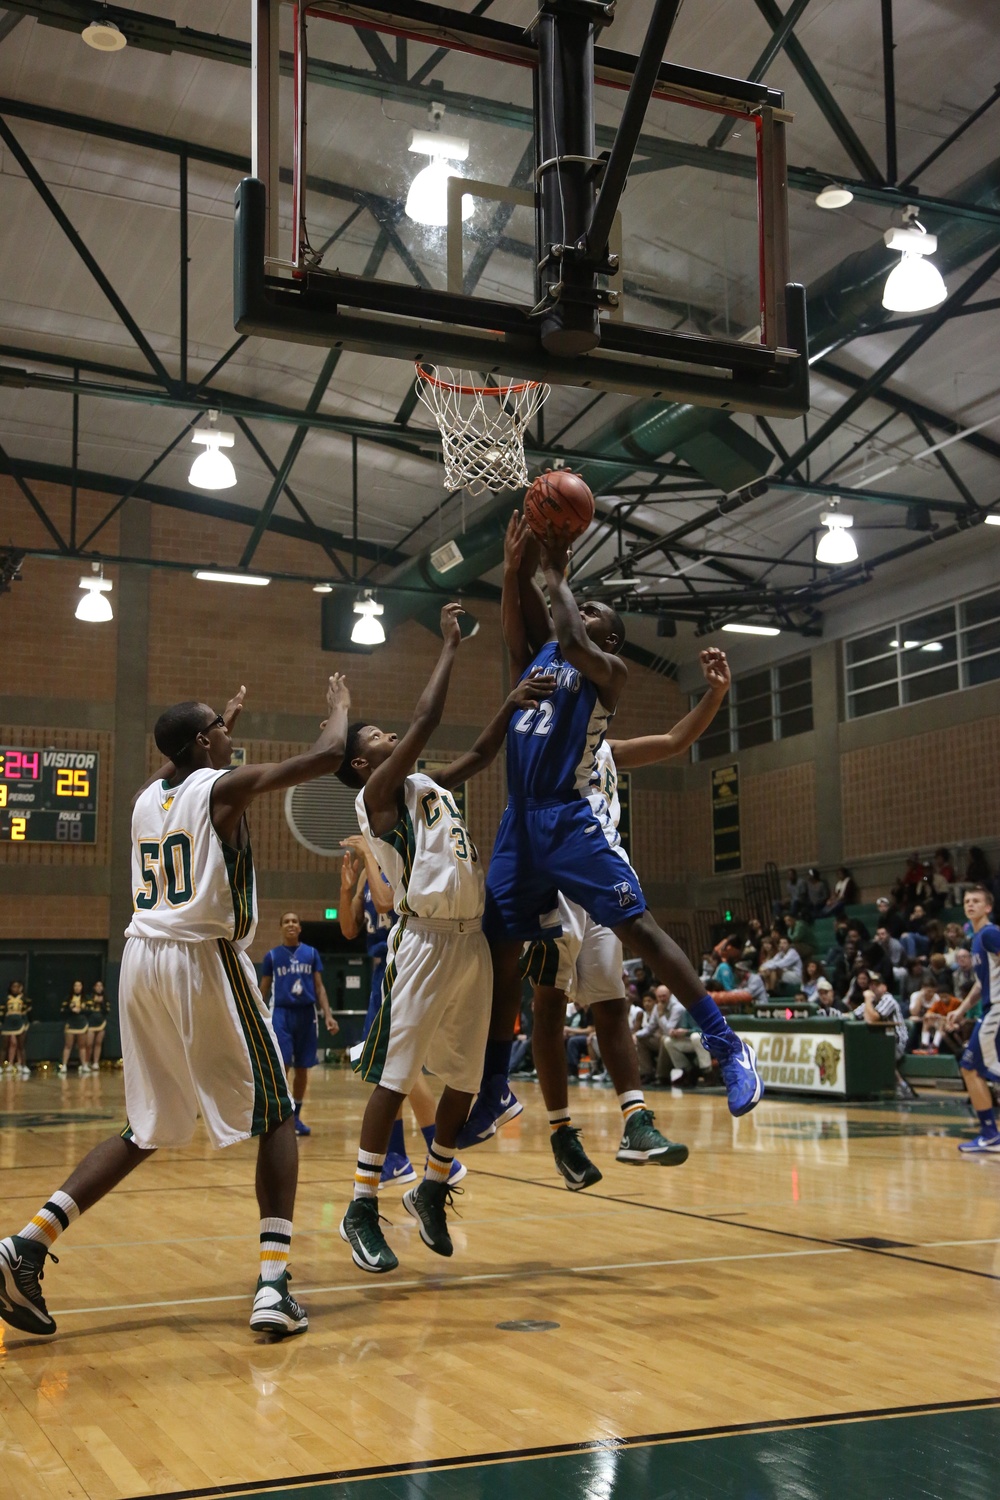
<point x="292" y="970"/>
<point x="551" y="839"/>
<point x="980" y="1056"/>
<point x="551" y="749"/>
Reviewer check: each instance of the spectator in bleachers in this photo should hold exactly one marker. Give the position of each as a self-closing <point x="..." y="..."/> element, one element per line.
<point x="785" y="968"/>
<point x="768" y="948"/>
<point x="794" y="890"/>
<point x="683" y="1049"/>
<point x="810" y="980"/>
<point x="942" y="878"/>
<point x="963" y="975"/>
<point x="890" y="916"/>
<point x="800" y="934"/>
<point x="709" y="964"/>
<point x="977" y="869"/>
<point x="751" y="982"/>
<point x="752" y="942"/>
<point x="914" y="939"/>
<point x="912" y="979"/>
<point x="725" y="973"/>
<point x="878" y="964"/>
<point x="842" y="970"/>
<point x="648" y="1035"/>
<point x="861" y="980"/>
<point x="912" y="887"/>
<point x="857" y="932"/>
<point x="843" y="895"/>
<point x="954" y="938"/>
<point x="930" y="1006"/>
<point x="817" y="895"/>
<point x="826" y="999"/>
<point x="577" y="1032"/>
<point x="942" y="976"/>
<point x="890" y="945"/>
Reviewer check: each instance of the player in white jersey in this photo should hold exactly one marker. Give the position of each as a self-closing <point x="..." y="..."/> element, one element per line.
<point x="435" y="1006"/>
<point x="196" y="1035"/>
<point x="586" y="961"/>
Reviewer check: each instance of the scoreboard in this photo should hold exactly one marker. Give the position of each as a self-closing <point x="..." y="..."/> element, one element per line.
<point x="48" y="796"/>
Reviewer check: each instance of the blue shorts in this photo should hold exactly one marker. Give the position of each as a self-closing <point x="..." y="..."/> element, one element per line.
<point x="375" y="997"/>
<point x="980" y="1056"/>
<point x="297" y="1030"/>
<point x="548" y="848"/>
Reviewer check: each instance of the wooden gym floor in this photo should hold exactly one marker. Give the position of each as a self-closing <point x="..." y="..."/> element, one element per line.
<point x="807" y="1307"/>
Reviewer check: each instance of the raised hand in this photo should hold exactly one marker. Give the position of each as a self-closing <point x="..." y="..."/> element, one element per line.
<point x="715" y="668"/>
<point x="555" y="551"/>
<point x="234" y="708"/>
<point x="450" y="631"/>
<point x="338" y="694"/>
<point x="518" y="534"/>
<point x="531" y="690"/>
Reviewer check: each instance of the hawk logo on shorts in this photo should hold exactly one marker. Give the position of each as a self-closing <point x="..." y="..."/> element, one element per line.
<point x="626" y="895"/>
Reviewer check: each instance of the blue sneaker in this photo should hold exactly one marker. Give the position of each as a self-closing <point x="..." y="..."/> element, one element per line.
<point x="458" y="1171"/>
<point x="495" y="1105"/>
<point x="301" y="1128"/>
<point x="396" y="1169"/>
<point x="982" y="1143"/>
<point x="738" y="1065"/>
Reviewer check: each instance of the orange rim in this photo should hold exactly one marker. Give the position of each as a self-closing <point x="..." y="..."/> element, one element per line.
<point x="476" y="390"/>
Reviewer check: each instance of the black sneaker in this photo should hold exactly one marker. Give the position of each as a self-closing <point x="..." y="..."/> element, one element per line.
<point x="275" y="1310"/>
<point x="642" y="1143"/>
<point x="426" y="1202"/>
<point x="571" y="1159"/>
<point x="360" y="1228"/>
<point x="21" y="1302"/>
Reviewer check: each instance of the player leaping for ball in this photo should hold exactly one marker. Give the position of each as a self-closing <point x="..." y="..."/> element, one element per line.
<point x="435" y="1005"/>
<point x="551" y="839"/>
<point x="587" y="959"/>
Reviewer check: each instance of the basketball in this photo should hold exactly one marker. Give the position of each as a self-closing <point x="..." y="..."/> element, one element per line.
<point x="560" y="499"/>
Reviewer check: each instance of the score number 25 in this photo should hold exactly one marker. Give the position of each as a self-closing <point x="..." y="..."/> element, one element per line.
<point x="72" y="784"/>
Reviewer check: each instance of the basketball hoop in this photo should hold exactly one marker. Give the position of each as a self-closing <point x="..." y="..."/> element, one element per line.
<point x="482" y="427"/>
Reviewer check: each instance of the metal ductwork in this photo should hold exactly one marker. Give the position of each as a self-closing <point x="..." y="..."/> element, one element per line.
<point x="843" y="302"/>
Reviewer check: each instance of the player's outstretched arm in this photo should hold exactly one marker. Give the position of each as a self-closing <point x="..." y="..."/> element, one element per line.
<point x="230" y="714"/>
<point x="515" y="631"/>
<point x="233" y="793"/>
<point x="647" y="749"/>
<point x="379" y="888"/>
<point x="527" y="694"/>
<point x="606" y="671"/>
<point x="383" y="785"/>
<point x="537" y="620"/>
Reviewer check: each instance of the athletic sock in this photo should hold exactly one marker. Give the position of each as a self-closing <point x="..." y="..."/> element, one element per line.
<point x="497" y="1059"/>
<point x="50" y="1220"/>
<point x="709" y="1019"/>
<point x="439" y="1160"/>
<point x="369" y="1170"/>
<point x="558" y="1118"/>
<point x="275" y="1244"/>
<point x="297" y="1103"/>
<point x="987" y="1119"/>
<point x="397" y="1140"/>
<point x="631" y="1102"/>
<point x="427" y="1131"/>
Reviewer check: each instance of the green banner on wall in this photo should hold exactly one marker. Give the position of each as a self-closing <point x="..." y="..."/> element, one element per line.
<point x="726" y="852"/>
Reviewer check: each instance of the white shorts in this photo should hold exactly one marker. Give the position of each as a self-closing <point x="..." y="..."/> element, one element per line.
<point x="586" y="962"/>
<point x="196" y="1039"/>
<point x="435" y="1011"/>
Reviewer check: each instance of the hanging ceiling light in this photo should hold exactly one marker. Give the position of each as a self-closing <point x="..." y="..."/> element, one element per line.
<point x="368" y="630"/>
<point x="837" y="546"/>
<point x="104" y="36"/>
<point x="322" y="588"/>
<point x="834" y="196"/>
<point x="915" y="284"/>
<point x="427" y="200"/>
<point x="94" y="607"/>
<point x="212" y="470"/>
<point x="737" y="627"/>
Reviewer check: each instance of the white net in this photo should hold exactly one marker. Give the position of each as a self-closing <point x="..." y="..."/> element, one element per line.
<point x="482" y="427"/>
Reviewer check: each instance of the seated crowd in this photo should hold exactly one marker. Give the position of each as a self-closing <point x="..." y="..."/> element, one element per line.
<point x="910" y="966"/>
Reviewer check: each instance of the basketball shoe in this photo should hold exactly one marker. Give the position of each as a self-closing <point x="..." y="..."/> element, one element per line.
<point x="275" y="1310"/>
<point x="426" y="1202"/>
<point x="369" y="1247"/>
<point x="643" y="1144"/>
<point x="982" y="1143"/>
<point x="396" y="1169"/>
<point x="738" y="1065"/>
<point x="572" y="1161"/>
<point x="21" y="1302"/>
<point x="495" y="1105"/>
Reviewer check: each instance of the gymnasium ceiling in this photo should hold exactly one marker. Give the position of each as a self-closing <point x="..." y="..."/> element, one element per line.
<point x="91" y="158"/>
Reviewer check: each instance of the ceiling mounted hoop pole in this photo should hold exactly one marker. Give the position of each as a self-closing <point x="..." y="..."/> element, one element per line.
<point x="482" y="427"/>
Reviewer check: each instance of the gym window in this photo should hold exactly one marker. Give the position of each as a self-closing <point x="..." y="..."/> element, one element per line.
<point x="956" y="646"/>
<point x="771" y="704"/>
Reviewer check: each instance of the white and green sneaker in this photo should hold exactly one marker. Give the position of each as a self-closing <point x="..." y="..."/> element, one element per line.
<point x="572" y="1161"/>
<point x="369" y="1247"/>
<point x="21" y="1302"/>
<point x="275" y="1310"/>
<point x="643" y="1145"/>
<point x="426" y="1202"/>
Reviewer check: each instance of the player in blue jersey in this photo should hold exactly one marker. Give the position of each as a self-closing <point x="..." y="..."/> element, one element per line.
<point x="366" y="906"/>
<point x="551" y="839"/>
<point x="296" y="972"/>
<point x="980" y="1062"/>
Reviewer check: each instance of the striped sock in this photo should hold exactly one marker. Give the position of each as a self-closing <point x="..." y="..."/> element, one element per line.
<point x="439" y="1160"/>
<point x="50" y="1221"/>
<point x="369" y="1170"/>
<point x="558" y="1117"/>
<point x="275" y="1243"/>
<point x="631" y="1102"/>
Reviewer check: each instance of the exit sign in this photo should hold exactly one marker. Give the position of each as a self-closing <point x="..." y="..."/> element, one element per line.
<point x="331" y="914"/>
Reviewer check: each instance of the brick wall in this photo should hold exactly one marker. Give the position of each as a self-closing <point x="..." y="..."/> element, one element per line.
<point x="927" y="789"/>
<point x="778" y="816"/>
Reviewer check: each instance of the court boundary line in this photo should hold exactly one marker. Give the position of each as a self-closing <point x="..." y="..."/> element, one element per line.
<point x="567" y="1450"/>
<point x="787" y="1234"/>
